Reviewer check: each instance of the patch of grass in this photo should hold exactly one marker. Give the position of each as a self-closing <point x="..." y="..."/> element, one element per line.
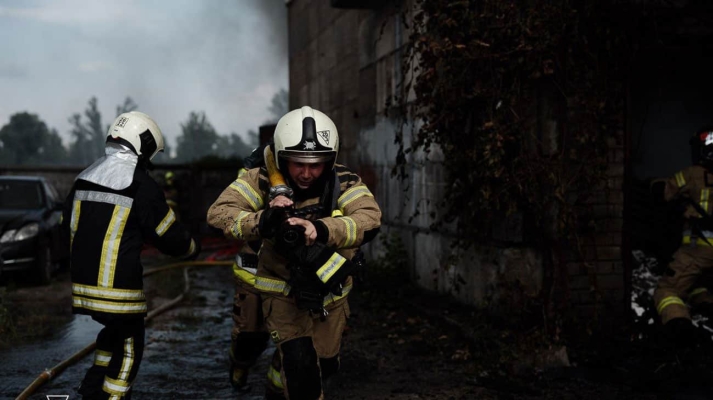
<point x="24" y="317"/>
<point x="8" y="330"/>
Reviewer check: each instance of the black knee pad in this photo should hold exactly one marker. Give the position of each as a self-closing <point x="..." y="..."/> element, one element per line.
<point x="300" y="363"/>
<point x="329" y="366"/>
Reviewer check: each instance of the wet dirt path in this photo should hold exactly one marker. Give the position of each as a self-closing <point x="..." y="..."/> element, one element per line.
<point x="185" y="357"/>
<point x="400" y="344"/>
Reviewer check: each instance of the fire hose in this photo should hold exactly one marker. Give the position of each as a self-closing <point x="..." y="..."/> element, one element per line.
<point x="57" y="369"/>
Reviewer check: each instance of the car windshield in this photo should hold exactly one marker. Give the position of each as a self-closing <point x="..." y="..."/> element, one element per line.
<point x="23" y="195"/>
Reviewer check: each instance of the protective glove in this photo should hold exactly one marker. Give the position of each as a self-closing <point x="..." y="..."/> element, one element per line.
<point x="328" y="266"/>
<point x="289" y="240"/>
<point x="270" y="221"/>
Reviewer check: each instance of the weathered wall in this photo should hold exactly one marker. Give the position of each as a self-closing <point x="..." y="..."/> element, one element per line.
<point x="347" y="63"/>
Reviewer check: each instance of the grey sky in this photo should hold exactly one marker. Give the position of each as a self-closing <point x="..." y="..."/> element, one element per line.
<point x="227" y="58"/>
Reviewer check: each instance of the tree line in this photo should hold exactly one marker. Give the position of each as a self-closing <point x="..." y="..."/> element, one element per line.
<point x="27" y="140"/>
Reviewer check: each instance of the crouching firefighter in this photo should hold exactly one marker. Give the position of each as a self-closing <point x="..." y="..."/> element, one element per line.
<point x="304" y="264"/>
<point x="113" y="208"/>
<point x="681" y="284"/>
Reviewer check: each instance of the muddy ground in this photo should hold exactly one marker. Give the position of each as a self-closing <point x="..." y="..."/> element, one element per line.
<point x="401" y="343"/>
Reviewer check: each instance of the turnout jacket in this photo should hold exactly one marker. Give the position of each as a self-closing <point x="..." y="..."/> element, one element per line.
<point x="238" y="209"/>
<point x="694" y="183"/>
<point x="106" y="230"/>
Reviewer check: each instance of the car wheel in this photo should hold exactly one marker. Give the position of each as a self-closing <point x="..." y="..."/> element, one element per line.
<point x="43" y="272"/>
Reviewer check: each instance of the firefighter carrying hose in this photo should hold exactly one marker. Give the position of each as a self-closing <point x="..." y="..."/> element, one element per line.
<point x="684" y="281"/>
<point x="113" y="208"/>
<point x="309" y="240"/>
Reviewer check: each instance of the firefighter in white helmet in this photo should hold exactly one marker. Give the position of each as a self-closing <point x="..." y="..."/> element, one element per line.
<point x="309" y="239"/>
<point x="113" y="208"/>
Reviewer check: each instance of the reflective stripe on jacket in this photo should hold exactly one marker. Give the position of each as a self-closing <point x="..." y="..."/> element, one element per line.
<point x="238" y="209"/>
<point x="107" y="229"/>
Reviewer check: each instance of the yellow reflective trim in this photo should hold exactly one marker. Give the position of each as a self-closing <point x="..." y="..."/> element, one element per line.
<point x="705" y="195"/>
<point x="191" y="248"/>
<point x="166" y="222"/>
<point x="248" y="193"/>
<point x="337" y="213"/>
<point x="699" y="241"/>
<point x="329" y="268"/>
<point x="243" y="275"/>
<point x="242" y="171"/>
<point x="271" y="285"/>
<point x="115" y="386"/>
<point x="74" y="221"/>
<point x="109" y="306"/>
<point x="274" y="376"/>
<point x="108" y="293"/>
<point x="127" y="362"/>
<point x="278" y="286"/>
<point x="680" y="180"/>
<point x="697" y="291"/>
<point x="237" y="230"/>
<point x="353" y="194"/>
<point x="667" y="301"/>
<point x="331" y="298"/>
<point x="351" y="231"/>
<point x="110" y="246"/>
<point x="102" y="358"/>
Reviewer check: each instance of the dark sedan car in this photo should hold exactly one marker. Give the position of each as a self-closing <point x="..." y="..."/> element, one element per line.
<point x="30" y="213"/>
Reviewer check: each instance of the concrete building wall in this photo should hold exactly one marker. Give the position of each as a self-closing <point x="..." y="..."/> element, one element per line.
<point x="347" y="63"/>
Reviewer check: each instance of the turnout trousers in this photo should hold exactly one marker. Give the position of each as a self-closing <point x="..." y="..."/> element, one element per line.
<point x="249" y="338"/>
<point x="685" y="281"/>
<point x="120" y="347"/>
<point x="307" y="347"/>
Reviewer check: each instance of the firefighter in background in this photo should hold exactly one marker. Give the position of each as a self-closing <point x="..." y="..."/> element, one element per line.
<point x="683" y="282"/>
<point x="304" y="264"/>
<point x="113" y="208"/>
<point x="171" y="192"/>
<point x="249" y="337"/>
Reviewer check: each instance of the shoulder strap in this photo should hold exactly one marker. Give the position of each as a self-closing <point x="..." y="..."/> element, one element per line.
<point x="336" y="192"/>
<point x="330" y="195"/>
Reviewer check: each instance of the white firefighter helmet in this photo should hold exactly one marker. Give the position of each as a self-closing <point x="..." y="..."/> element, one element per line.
<point x="306" y="135"/>
<point x="138" y="130"/>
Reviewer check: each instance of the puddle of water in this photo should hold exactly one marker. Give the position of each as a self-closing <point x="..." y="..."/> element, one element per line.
<point x="22" y="364"/>
<point x="82" y="330"/>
